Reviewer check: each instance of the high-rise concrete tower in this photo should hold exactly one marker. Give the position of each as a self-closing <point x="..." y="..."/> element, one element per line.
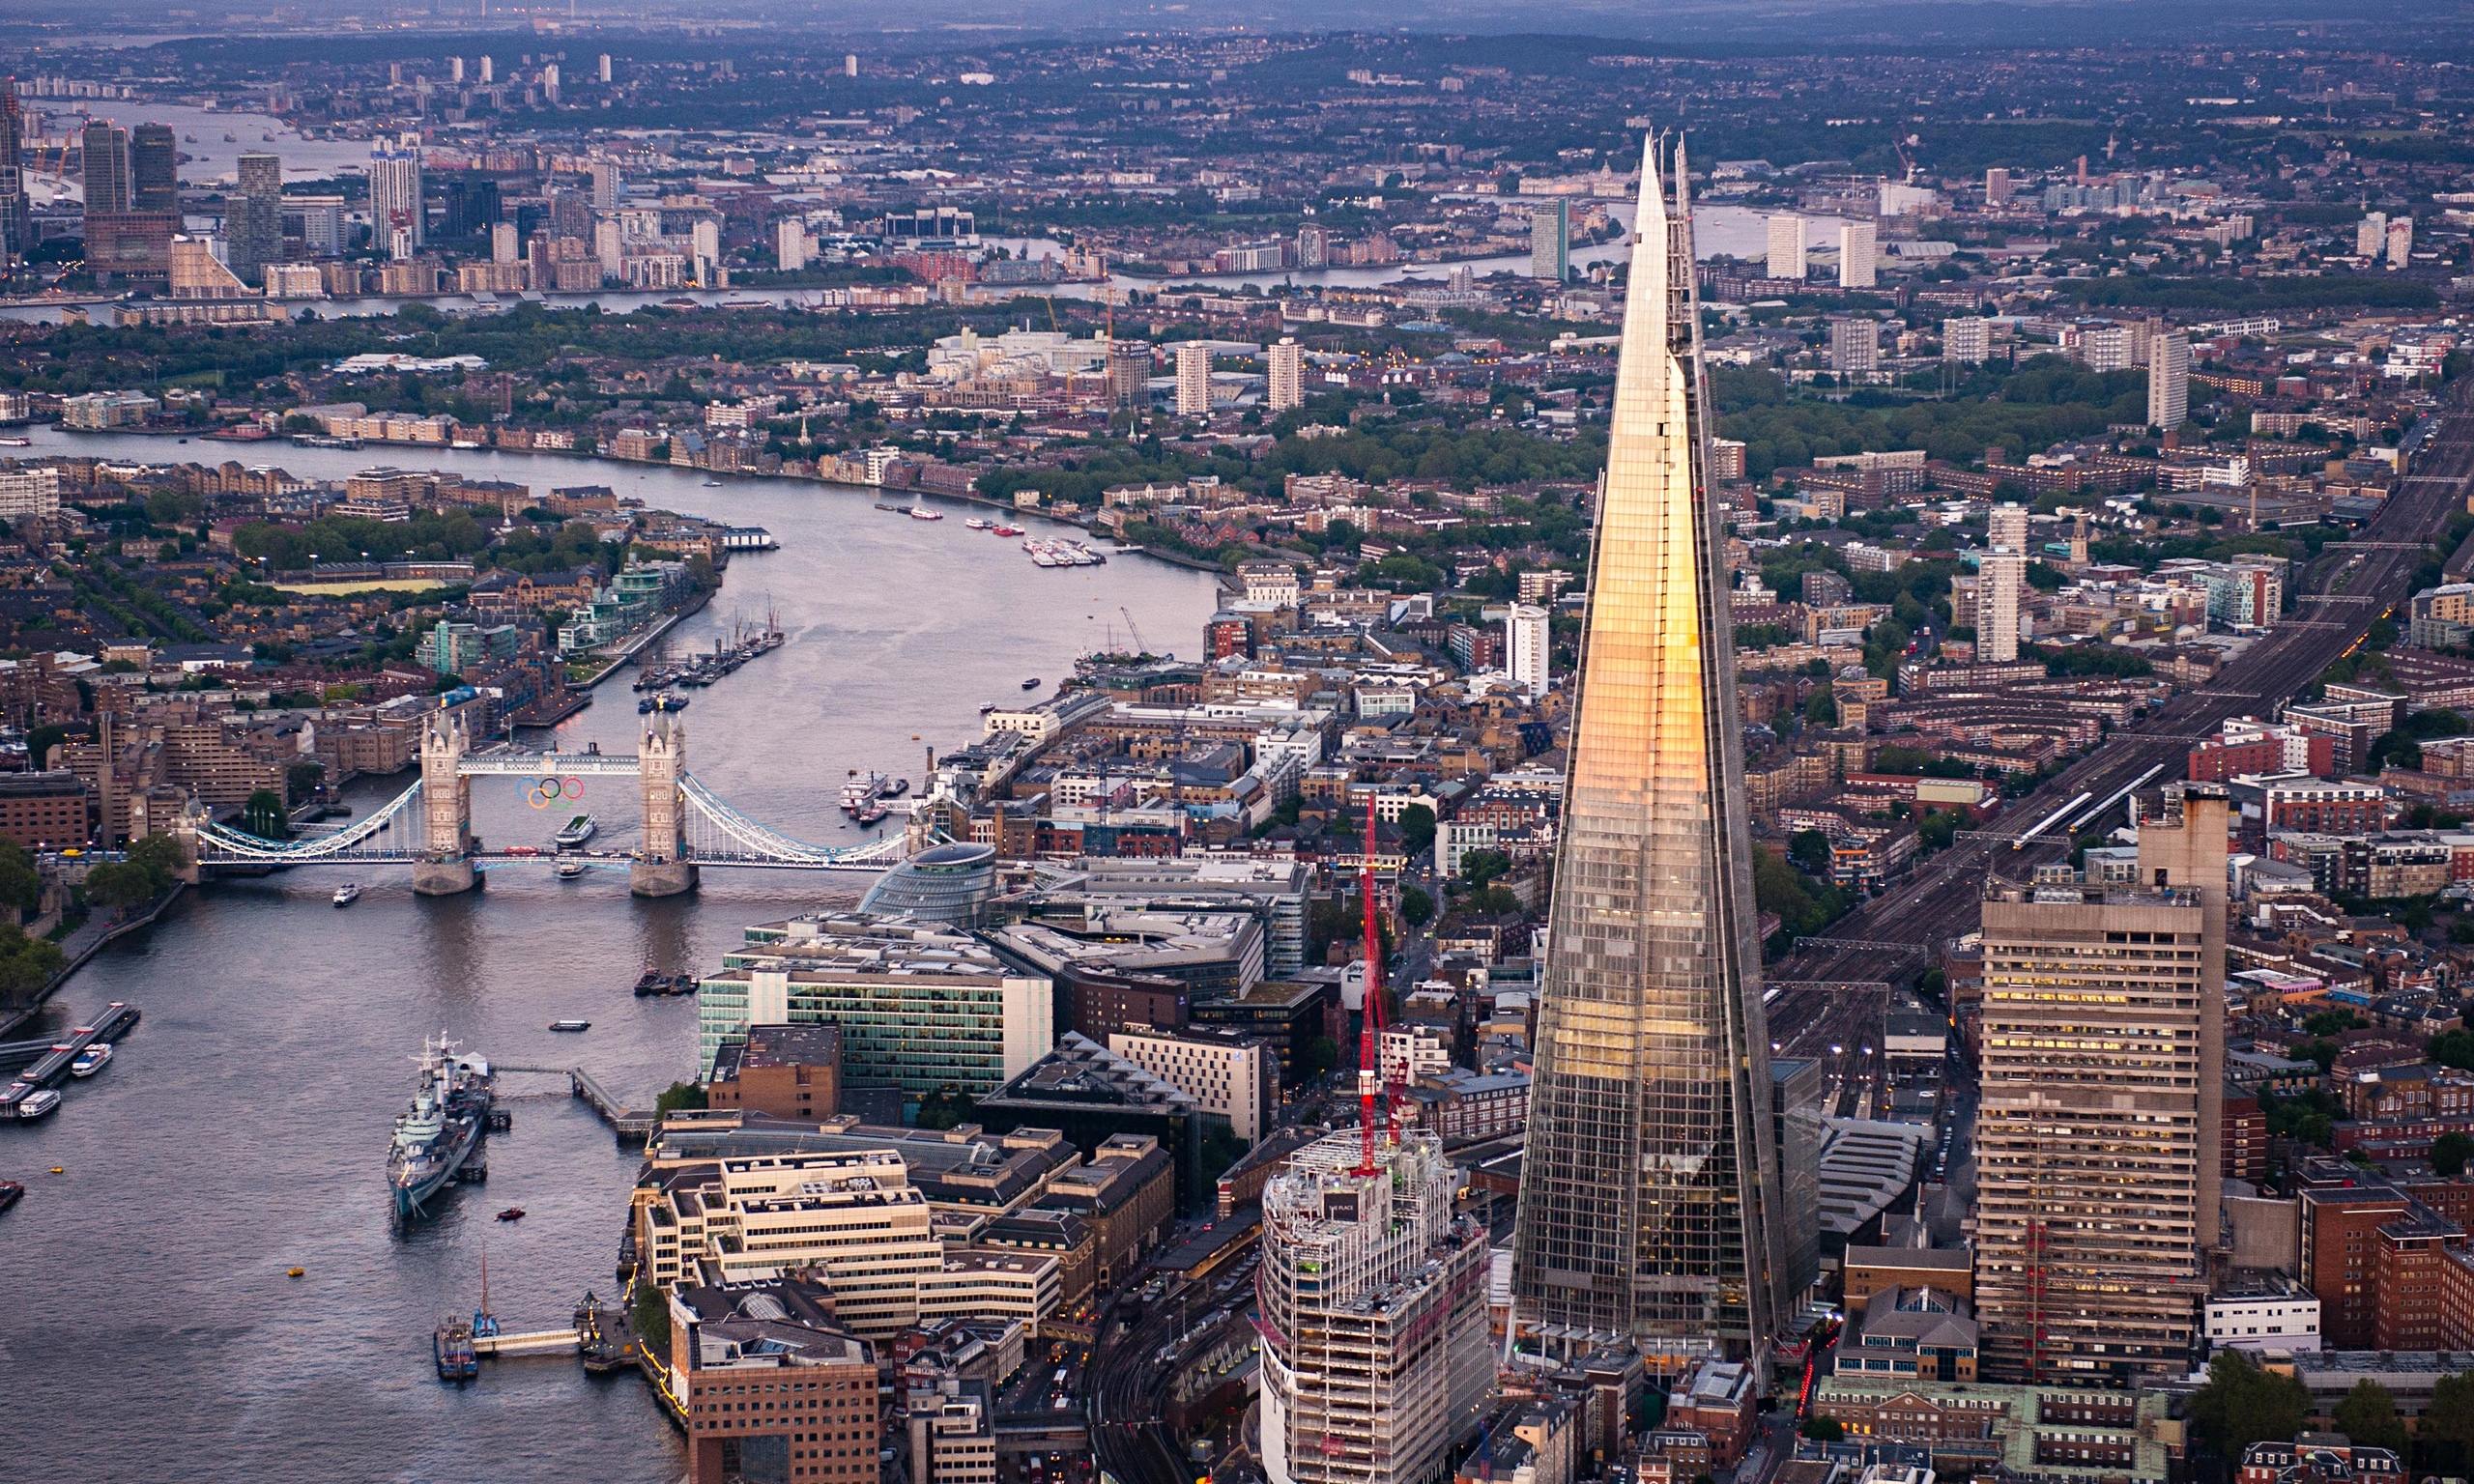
<point x="1649" y="1186"/>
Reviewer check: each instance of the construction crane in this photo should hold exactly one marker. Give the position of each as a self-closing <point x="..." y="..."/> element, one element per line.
<point x="1140" y="646"/>
<point x="1369" y="1034"/>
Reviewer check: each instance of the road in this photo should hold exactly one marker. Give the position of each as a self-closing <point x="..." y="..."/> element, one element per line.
<point x="1835" y="988"/>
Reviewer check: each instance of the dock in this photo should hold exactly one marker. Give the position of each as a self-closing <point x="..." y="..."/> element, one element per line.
<point x="599" y="1336"/>
<point x="632" y="1127"/>
<point x="45" y="1063"/>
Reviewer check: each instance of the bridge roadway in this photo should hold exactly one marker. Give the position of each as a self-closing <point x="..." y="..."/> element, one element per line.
<point x="2344" y="590"/>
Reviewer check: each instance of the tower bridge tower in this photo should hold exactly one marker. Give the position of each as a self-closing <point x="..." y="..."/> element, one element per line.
<point x="662" y="869"/>
<point x="446" y="865"/>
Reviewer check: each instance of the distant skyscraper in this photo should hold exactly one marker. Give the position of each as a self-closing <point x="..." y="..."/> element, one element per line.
<point x="1968" y="340"/>
<point x="1787" y="248"/>
<point x="489" y="70"/>
<point x="1285" y="383"/>
<point x="1130" y="374"/>
<point x="1194" y="378"/>
<point x="850" y="64"/>
<point x="1311" y="246"/>
<point x="253" y="217"/>
<point x="455" y="68"/>
<point x="602" y="68"/>
<point x="1855" y="346"/>
<point x="2000" y="577"/>
<point x="2168" y="381"/>
<point x="2371" y="235"/>
<point x="395" y="195"/>
<point x="2401" y="240"/>
<point x="2005" y="527"/>
<point x="604" y="175"/>
<point x="1856" y="251"/>
<point x="1526" y="648"/>
<point x="1550" y="241"/>
<point x="1996" y="187"/>
<point x="1649" y="1186"/>
<point x="2097" y="1153"/>
<point x="790" y="244"/>
<point x="154" y="169"/>
<point x="104" y="149"/>
<point x="17" y="225"/>
<point x="1374" y="1349"/>
<point x="507" y="243"/>
<point x="550" y="82"/>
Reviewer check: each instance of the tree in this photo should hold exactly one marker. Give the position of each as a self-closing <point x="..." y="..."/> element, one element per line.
<point x="2368" y="1416"/>
<point x="2242" y="1403"/>
<point x="679" y="1096"/>
<point x="1416" y="829"/>
<point x="121" y="884"/>
<point x="2450" y="1151"/>
<point x="1808" y="850"/>
<point x="2448" y="1422"/>
<point x="945" y="1107"/>
<point x="21" y="886"/>
<point x="1415" y="906"/>
<point x="1322" y="1054"/>
<point x="1823" y="1429"/>
<point x="1481" y="867"/>
<point x="2452" y="1048"/>
<point x="1821" y="708"/>
<point x="264" y="815"/>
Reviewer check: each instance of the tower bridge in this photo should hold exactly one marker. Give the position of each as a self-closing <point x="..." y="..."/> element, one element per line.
<point x="687" y="827"/>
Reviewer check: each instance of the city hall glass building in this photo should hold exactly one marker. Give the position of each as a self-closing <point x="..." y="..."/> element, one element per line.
<point x="1648" y="1189"/>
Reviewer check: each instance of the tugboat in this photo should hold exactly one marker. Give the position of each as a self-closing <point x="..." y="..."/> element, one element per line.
<point x="1032" y="684"/>
<point x="347" y="894"/>
<point x="443" y="1129"/>
<point x="513" y="1213"/>
<point x="451" y="1347"/>
<point x="92" y="1059"/>
<point x="11" y="1193"/>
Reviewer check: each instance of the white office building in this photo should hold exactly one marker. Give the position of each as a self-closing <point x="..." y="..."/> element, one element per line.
<point x="1194" y="380"/>
<point x="1859" y="254"/>
<point x="1231" y="1077"/>
<point x="1787" y="248"/>
<point x="1286" y="382"/>
<point x="2168" y="381"/>
<point x="1968" y="340"/>
<point x="1527" y="648"/>
<point x="2001" y="575"/>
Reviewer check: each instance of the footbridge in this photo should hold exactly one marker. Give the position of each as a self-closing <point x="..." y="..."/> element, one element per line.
<point x="687" y="827"/>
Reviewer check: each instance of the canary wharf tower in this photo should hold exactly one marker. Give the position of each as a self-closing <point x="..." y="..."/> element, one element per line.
<point x="1650" y="1181"/>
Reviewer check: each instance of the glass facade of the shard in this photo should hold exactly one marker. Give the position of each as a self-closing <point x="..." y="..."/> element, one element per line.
<point x="1649" y="1185"/>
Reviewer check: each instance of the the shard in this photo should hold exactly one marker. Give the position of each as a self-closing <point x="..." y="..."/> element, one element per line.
<point x="1648" y="1187"/>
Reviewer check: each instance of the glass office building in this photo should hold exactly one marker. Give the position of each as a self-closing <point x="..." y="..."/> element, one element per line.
<point x="1649" y="1188"/>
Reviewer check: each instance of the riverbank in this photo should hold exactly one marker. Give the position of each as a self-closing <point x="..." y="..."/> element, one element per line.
<point x="83" y="945"/>
<point x="986" y="502"/>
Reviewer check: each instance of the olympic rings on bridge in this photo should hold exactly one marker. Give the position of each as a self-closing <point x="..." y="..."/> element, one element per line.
<point x="542" y="792"/>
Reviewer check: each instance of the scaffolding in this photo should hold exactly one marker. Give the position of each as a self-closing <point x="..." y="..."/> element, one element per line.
<point x="1373" y="1314"/>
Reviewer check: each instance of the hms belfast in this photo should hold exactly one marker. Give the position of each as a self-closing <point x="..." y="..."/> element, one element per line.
<point x="1648" y="1192"/>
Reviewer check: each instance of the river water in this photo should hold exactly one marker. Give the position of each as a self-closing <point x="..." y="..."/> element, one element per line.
<point x="146" y="1329"/>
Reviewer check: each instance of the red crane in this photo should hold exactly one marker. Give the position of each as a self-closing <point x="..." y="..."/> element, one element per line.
<point x="1369" y="1034"/>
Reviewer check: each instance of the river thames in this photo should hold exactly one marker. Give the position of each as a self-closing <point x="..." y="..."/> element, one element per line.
<point x="149" y="1331"/>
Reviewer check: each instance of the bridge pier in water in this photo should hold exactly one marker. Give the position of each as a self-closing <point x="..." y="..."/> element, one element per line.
<point x="662" y="869"/>
<point x="445" y="867"/>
